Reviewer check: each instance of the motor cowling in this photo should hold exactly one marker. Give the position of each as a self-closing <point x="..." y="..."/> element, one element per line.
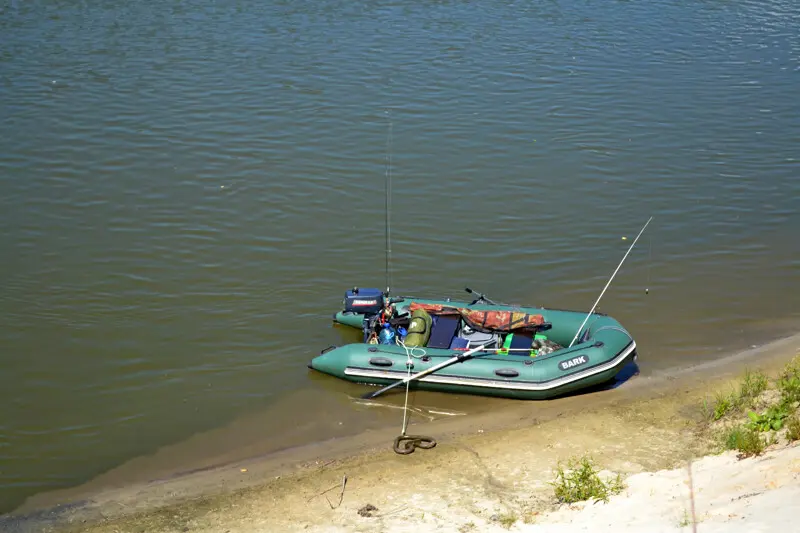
<point x="363" y="301"/>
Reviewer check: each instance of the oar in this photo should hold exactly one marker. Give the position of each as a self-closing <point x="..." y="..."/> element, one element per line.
<point x="457" y="359"/>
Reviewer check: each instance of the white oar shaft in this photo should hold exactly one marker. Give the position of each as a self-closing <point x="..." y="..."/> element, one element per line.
<point x="585" y="320"/>
<point x="443" y="364"/>
<point x="418" y="375"/>
<point x="508" y="350"/>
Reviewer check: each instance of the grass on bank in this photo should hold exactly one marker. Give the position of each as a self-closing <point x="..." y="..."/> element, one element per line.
<point x="750" y="388"/>
<point x="768" y="411"/>
<point x="580" y="481"/>
<point x="793" y="429"/>
<point x="789" y="382"/>
<point x="747" y="441"/>
<point x="507" y="520"/>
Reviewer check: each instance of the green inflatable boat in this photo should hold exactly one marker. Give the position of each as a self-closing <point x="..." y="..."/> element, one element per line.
<point x="527" y="353"/>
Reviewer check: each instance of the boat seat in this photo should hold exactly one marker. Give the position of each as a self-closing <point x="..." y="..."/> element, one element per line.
<point x="443" y="330"/>
<point x="476" y="338"/>
<point x="521" y="341"/>
<point x="459" y="344"/>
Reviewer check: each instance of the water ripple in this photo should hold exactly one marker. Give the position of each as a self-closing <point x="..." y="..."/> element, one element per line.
<point x="188" y="189"/>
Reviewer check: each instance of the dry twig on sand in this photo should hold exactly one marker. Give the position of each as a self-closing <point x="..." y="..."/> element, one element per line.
<point x="341" y="494"/>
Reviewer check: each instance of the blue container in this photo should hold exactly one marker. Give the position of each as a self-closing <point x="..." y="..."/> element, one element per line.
<point x="387" y="335"/>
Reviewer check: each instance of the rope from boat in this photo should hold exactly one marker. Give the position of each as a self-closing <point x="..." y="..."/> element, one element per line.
<point x="400" y="343"/>
<point x="411" y="353"/>
<point x="409" y="364"/>
<point x="406" y="444"/>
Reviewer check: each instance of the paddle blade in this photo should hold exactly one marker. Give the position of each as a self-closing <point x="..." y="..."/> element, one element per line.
<point x="370" y="395"/>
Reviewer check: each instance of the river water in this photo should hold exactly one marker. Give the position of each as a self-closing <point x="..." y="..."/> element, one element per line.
<point x="189" y="187"/>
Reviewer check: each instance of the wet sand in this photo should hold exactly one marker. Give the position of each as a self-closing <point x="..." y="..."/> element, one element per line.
<point x="484" y="467"/>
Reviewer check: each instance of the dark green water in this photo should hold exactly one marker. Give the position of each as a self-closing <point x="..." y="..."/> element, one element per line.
<point x="189" y="187"/>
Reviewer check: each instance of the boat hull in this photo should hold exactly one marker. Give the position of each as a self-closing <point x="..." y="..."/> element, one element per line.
<point x="606" y="348"/>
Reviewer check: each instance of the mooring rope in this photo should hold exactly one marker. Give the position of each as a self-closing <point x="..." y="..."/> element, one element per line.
<point x="409" y="364"/>
<point x="406" y="444"/>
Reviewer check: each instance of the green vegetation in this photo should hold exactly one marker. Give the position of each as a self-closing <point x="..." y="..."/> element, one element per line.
<point x="722" y="405"/>
<point x="507" y="520"/>
<point x="579" y="481"/>
<point x="789" y="383"/>
<point x="793" y="429"/>
<point x="753" y="384"/>
<point x="750" y="388"/>
<point x="772" y="419"/>
<point x="768" y="411"/>
<point x="744" y="439"/>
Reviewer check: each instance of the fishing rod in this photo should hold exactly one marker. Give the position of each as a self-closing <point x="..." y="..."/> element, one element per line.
<point x="609" y="283"/>
<point x="388" y="209"/>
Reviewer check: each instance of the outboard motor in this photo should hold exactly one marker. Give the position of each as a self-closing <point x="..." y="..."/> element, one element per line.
<point x="363" y="301"/>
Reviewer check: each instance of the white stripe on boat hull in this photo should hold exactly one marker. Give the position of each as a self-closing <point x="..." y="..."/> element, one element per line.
<point x="496" y="384"/>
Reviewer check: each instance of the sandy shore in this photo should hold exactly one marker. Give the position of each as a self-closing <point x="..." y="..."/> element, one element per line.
<point x="481" y="477"/>
<point x="753" y="495"/>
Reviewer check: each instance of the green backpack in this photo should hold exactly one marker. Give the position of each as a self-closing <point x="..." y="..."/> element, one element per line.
<point x="419" y="330"/>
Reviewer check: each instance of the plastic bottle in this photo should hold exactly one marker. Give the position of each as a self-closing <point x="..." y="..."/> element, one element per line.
<point x="387" y="335"/>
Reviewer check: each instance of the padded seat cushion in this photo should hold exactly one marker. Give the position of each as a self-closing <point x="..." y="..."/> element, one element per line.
<point x="443" y="330"/>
